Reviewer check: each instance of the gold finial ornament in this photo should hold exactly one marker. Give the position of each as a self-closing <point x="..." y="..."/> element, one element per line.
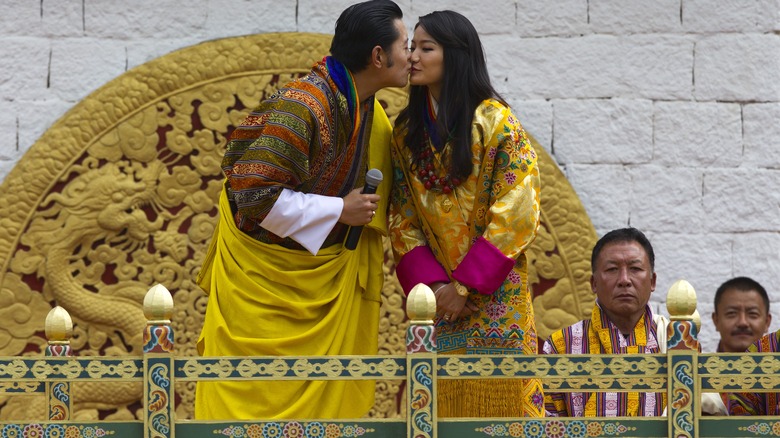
<point x="59" y="325"/>
<point x="421" y="305"/>
<point x="681" y="300"/>
<point x="158" y="304"/>
<point x="696" y="320"/>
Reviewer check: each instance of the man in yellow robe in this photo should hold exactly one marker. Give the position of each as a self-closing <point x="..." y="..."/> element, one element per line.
<point x="279" y="279"/>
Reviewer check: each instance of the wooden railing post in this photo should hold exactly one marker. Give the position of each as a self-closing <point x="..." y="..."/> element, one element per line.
<point x="682" y="353"/>
<point x="59" y="330"/>
<point x="421" y="362"/>
<point x="159" y="420"/>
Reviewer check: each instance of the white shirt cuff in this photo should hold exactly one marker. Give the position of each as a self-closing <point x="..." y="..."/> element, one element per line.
<point x="305" y="217"/>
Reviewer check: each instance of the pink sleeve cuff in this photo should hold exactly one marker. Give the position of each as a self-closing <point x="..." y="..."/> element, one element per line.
<point x="419" y="266"/>
<point x="484" y="268"/>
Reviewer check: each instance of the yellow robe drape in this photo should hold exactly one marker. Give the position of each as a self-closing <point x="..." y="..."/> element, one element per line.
<point x="267" y="300"/>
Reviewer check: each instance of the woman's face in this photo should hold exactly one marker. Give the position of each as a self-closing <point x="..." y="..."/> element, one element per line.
<point x="427" y="58"/>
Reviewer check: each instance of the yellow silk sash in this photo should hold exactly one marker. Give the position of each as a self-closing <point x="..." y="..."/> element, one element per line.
<point x="267" y="300"/>
<point x="602" y="335"/>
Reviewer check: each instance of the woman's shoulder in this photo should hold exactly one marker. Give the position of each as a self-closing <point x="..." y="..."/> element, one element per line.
<point x="492" y="112"/>
<point x="492" y="102"/>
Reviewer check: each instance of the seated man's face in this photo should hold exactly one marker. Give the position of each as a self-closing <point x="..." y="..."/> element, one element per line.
<point x="741" y="318"/>
<point x="623" y="280"/>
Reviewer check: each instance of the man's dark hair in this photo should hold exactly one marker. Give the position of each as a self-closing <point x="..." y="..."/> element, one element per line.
<point x="360" y="28"/>
<point x="622" y="235"/>
<point x="742" y="284"/>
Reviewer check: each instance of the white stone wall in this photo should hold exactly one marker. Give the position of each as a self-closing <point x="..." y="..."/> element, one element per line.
<point x="664" y="114"/>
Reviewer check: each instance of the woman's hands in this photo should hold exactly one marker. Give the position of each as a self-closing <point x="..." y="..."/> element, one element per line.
<point x="450" y="305"/>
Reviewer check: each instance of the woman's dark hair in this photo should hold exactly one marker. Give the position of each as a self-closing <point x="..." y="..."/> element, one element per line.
<point x="360" y="28"/>
<point x="465" y="84"/>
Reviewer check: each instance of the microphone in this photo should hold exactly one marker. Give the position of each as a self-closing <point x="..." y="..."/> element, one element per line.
<point x="373" y="178"/>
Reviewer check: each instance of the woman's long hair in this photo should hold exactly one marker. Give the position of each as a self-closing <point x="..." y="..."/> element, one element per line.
<point x="465" y="84"/>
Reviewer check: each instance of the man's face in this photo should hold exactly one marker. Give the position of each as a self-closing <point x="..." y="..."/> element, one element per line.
<point x="741" y="318"/>
<point x="623" y="280"/>
<point x="396" y="63"/>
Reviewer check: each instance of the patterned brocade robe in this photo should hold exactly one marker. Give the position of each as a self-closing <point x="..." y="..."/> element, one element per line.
<point x="309" y="136"/>
<point x="758" y="403"/>
<point x="268" y="296"/>
<point x="477" y="234"/>
<point x="599" y="336"/>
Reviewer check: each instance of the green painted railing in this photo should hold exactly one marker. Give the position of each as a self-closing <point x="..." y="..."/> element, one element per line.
<point x="682" y="373"/>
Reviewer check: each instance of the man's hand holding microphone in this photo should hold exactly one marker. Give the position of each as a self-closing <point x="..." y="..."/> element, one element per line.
<point x="360" y="207"/>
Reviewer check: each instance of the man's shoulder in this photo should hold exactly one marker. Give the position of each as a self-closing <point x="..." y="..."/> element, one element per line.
<point x="304" y="92"/>
<point x="302" y="101"/>
<point x="767" y="343"/>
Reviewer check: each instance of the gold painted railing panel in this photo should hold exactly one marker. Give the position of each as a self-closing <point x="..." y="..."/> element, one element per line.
<point x="682" y="373"/>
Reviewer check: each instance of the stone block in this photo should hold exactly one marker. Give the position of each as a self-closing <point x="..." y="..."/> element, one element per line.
<point x="698" y="134"/>
<point x="18" y="17"/>
<point x="320" y="17"/>
<point x="595" y="66"/>
<point x="79" y="67"/>
<point x="242" y="17"/>
<point x="61" y="18"/>
<point x="706" y="16"/>
<point x="605" y="192"/>
<point x="635" y="16"/>
<point x="738" y="67"/>
<point x="558" y="18"/>
<point x="757" y="255"/>
<point x="608" y="131"/>
<point x="499" y="18"/>
<point x="666" y="198"/>
<point x="146" y="18"/>
<point x="24" y="67"/>
<point x="761" y="125"/>
<point x="739" y="200"/>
